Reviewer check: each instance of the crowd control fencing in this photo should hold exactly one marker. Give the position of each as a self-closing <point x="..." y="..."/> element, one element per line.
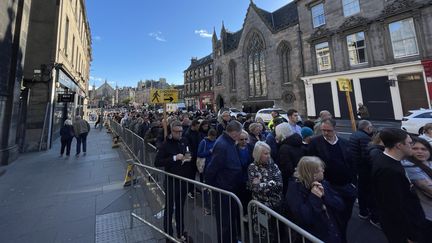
<point x="266" y="225"/>
<point x="161" y="201"/>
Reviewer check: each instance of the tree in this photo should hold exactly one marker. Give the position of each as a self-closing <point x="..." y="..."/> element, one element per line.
<point x="126" y="101"/>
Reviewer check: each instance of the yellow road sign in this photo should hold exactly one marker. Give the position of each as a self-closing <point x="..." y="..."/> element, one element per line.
<point x="344" y="84"/>
<point x="160" y="96"/>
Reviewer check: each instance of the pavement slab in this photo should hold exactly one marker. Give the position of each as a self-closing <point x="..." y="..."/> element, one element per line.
<point x="48" y="198"/>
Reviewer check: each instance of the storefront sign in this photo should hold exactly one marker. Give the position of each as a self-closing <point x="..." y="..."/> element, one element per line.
<point x="427" y="66"/>
<point x="64" y="79"/>
<point x="65" y="97"/>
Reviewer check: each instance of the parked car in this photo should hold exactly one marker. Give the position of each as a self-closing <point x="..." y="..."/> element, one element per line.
<point x="415" y="120"/>
<point x="233" y="112"/>
<point x="265" y="114"/>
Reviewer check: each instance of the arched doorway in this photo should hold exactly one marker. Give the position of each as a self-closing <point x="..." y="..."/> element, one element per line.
<point x="219" y="102"/>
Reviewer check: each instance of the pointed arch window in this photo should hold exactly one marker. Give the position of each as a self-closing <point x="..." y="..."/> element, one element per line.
<point x="232" y="74"/>
<point x="256" y="67"/>
<point x="284" y="57"/>
<point x="219" y="77"/>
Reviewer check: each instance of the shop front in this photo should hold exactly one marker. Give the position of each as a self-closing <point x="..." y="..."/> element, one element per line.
<point x="68" y="101"/>
<point x="206" y="101"/>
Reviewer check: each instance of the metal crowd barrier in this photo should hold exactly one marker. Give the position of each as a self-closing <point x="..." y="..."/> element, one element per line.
<point x="265" y="225"/>
<point x="213" y="215"/>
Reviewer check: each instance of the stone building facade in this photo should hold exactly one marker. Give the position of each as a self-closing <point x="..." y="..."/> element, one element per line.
<point x="260" y="65"/>
<point x="382" y="46"/>
<point x="198" y="84"/>
<point x="58" y="57"/>
<point x="14" y="20"/>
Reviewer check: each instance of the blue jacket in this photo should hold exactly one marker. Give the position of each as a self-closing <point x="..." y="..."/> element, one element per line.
<point x="204" y="148"/>
<point x="309" y="212"/>
<point x="224" y="170"/>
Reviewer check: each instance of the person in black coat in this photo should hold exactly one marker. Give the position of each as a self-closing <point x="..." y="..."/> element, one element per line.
<point x="193" y="138"/>
<point x="171" y="156"/>
<point x="401" y="215"/>
<point x="289" y="153"/>
<point x="340" y="172"/>
<point x="313" y="204"/>
<point x="359" y="141"/>
<point x="67" y="134"/>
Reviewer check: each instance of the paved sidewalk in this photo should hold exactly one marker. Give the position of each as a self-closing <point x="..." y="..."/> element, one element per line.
<point x="44" y="198"/>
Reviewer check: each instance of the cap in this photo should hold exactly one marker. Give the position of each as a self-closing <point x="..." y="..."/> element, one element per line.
<point x="306" y="132"/>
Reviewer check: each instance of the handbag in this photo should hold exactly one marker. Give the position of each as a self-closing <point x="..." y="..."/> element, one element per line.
<point x="200" y="162"/>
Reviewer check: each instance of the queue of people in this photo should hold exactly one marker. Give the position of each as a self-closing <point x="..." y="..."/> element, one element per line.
<point x="307" y="173"/>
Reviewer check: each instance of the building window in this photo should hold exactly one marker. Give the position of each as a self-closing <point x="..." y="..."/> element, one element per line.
<point x="284" y="56"/>
<point x="318" y="17"/>
<point x="403" y="38"/>
<point x="66" y="36"/>
<point x="356" y="48"/>
<point x="73" y="49"/>
<point x="323" y="56"/>
<point x="350" y="7"/>
<point x="232" y="74"/>
<point x="256" y="66"/>
<point x="218" y="77"/>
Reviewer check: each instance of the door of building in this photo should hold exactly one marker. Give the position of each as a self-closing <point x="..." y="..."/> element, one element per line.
<point x="343" y="105"/>
<point x="323" y="98"/>
<point x="412" y="91"/>
<point x="377" y="98"/>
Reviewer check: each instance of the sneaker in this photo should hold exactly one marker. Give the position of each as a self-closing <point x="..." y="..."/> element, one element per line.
<point x="363" y="216"/>
<point x="376" y="224"/>
<point x="191" y="195"/>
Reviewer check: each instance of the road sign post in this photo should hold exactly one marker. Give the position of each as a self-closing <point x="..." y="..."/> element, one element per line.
<point x="345" y="85"/>
<point x="164" y="96"/>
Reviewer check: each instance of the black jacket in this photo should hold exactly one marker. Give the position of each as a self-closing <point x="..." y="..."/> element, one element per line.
<point x="67" y="132"/>
<point x="401" y="214"/>
<point x="193" y="138"/>
<point x="358" y="142"/>
<point x="165" y="154"/>
<point x="290" y="152"/>
<point x="336" y="172"/>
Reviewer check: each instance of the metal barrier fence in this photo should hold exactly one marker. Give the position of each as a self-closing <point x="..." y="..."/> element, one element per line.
<point x="213" y="215"/>
<point x="265" y="225"/>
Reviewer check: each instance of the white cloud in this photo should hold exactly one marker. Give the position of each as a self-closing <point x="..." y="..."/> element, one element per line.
<point x="158" y="36"/>
<point x="203" y="33"/>
<point x="97" y="38"/>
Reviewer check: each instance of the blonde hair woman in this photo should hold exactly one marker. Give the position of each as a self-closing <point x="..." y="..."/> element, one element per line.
<point x="311" y="201"/>
<point x="265" y="181"/>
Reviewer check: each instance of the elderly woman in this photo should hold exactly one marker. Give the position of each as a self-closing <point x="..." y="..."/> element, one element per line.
<point x="223" y="122"/>
<point x="290" y="151"/>
<point x="427" y="133"/>
<point x="312" y="203"/>
<point x="419" y="170"/>
<point x="264" y="177"/>
<point x="67" y="134"/>
<point x="245" y="154"/>
<point x="264" y="180"/>
<point x="255" y="133"/>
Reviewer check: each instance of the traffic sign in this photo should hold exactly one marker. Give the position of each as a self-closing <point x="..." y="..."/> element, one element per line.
<point x="163" y="96"/>
<point x="344" y="84"/>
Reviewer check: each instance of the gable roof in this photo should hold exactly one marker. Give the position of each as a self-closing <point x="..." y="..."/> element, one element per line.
<point x="278" y="20"/>
<point x="232" y="40"/>
<point x="281" y="18"/>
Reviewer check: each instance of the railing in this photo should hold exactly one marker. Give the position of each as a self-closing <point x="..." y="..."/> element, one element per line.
<point x="213" y="215"/>
<point x="265" y="225"/>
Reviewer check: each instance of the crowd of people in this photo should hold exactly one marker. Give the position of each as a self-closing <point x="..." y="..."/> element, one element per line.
<point x="302" y="170"/>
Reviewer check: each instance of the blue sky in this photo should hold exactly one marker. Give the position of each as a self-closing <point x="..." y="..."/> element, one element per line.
<point x="146" y="39"/>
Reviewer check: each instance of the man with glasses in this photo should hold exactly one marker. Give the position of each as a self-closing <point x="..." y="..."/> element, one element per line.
<point x="171" y="155"/>
<point x="339" y="171"/>
<point x="401" y="215"/>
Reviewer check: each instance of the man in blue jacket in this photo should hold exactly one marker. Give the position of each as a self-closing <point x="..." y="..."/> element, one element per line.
<point x="225" y="171"/>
